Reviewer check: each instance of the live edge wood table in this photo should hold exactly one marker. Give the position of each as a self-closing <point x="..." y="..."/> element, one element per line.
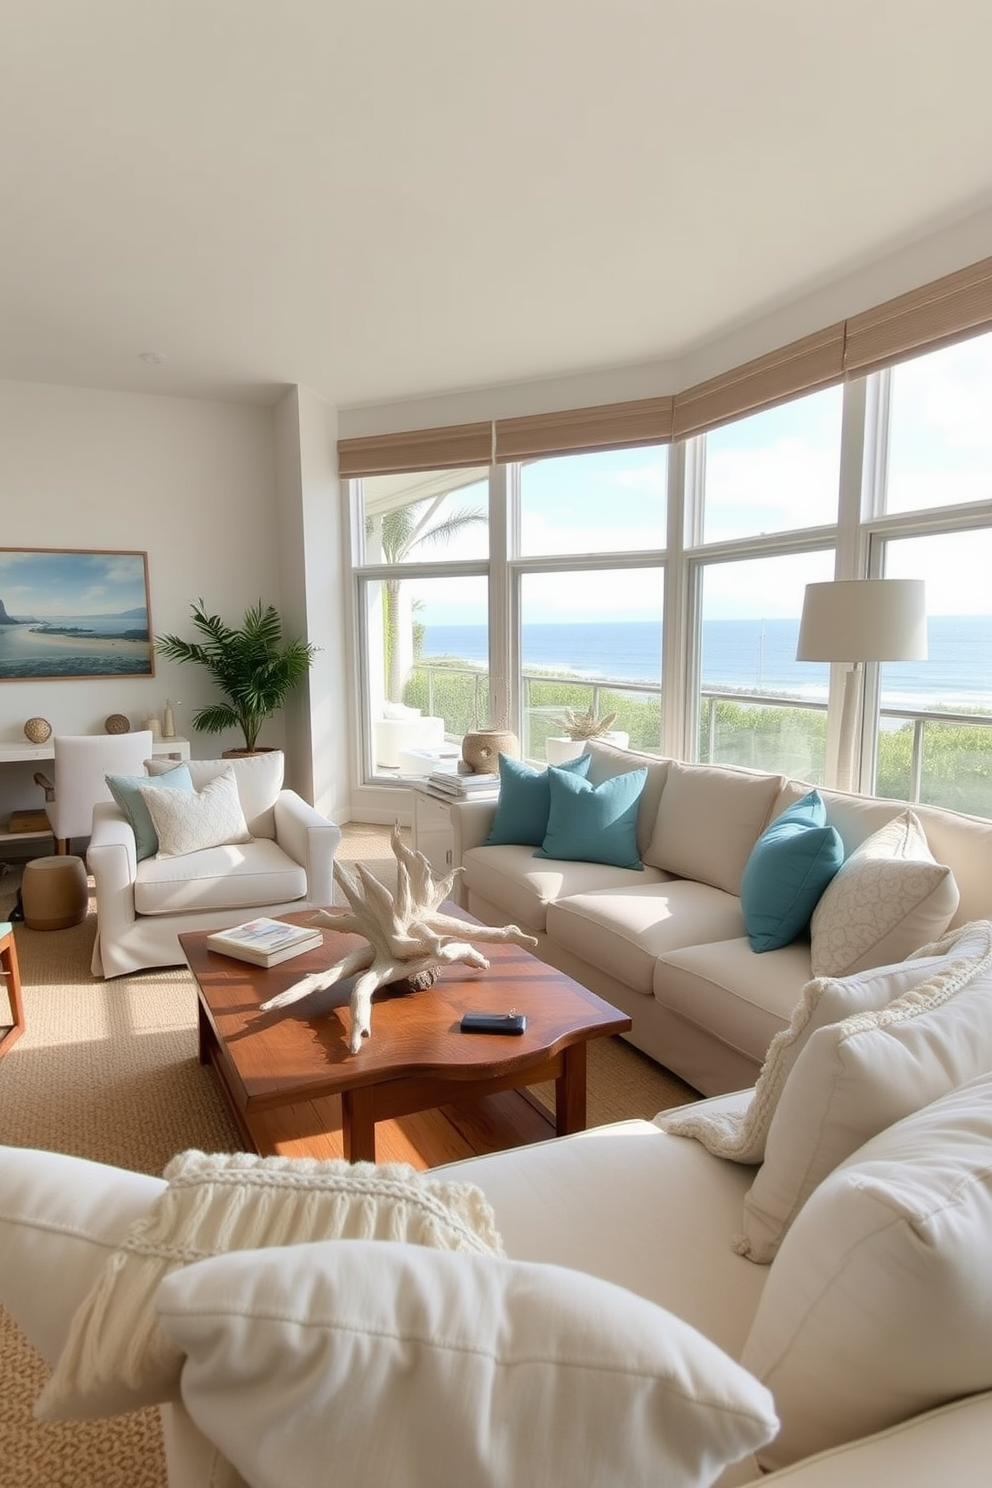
<point x="289" y="1077"/>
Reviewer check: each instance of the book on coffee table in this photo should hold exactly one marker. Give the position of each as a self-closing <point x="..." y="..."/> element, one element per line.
<point x="264" y="942"/>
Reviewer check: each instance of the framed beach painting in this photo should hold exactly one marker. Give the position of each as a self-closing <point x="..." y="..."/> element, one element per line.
<point x="74" y="613"/>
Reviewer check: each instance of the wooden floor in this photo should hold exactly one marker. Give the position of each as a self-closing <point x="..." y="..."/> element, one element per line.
<point x="425" y="1140"/>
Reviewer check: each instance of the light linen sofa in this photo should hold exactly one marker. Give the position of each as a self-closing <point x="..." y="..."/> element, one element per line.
<point x="869" y="1327"/>
<point x="284" y="862"/>
<point x="668" y="943"/>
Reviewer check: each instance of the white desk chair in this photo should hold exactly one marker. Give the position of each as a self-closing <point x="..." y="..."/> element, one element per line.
<point x="81" y="762"/>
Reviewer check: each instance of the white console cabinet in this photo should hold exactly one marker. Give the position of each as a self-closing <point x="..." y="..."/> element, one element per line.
<point x="431" y="829"/>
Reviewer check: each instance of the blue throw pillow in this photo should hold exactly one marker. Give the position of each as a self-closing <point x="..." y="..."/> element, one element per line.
<point x="790" y="865"/>
<point x="594" y="823"/>
<point x="525" y="800"/>
<point x="124" y="789"/>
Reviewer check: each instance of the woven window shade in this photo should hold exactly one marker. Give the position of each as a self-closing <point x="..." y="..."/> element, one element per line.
<point x="580" y="430"/>
<point x="816" y="361"/>
<point x="416" y="449"/>
<point x="946" y="310"/>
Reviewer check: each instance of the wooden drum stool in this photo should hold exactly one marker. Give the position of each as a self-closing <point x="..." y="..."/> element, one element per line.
<point x="12" y="985"/>
<point x="54" y="893"/>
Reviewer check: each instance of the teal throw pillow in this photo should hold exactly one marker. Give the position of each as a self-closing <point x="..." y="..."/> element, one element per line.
<point x="525" y="800"/>
<point x="124" y="789"/>
<point x="790" y="865"/>
<point x="594" y="823"/>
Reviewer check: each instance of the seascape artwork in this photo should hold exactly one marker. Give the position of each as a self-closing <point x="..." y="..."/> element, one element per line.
<point x="74" y="614"/>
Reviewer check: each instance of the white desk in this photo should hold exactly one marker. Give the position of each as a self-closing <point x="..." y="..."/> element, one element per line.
<point x="14" y="753"/>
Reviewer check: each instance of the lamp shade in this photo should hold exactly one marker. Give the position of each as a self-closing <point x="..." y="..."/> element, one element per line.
<point x="864" y="620"/>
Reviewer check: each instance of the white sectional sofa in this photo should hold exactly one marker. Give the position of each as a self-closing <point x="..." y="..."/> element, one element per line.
<point x="858" y="1357"/>
<point x="667" y="943"/>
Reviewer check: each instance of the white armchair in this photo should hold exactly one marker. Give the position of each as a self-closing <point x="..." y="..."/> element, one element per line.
<point x="144" y="903"/>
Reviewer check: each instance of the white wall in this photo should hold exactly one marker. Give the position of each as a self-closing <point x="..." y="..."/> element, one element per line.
<point x="189" y="482"/>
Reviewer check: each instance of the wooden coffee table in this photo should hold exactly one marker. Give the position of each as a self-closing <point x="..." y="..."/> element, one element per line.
<point x="291" y="1059"/>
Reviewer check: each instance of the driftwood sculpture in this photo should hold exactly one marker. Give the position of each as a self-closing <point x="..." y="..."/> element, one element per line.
<point x="409" y="938"/>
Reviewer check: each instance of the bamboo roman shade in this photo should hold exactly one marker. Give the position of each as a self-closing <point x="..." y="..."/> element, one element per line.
<point x="957" y="305"/>
<point x="417" y="449"/>
<point x="579" y="430"/>
<point x="948" y="309"/>
<point x="816" y="361"/>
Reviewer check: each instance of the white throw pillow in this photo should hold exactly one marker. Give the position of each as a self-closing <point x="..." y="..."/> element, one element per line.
<point x="61" y="1219"/>
<point x="211" y="817"/>
<point x="259" y="779"/>
<point x="740" y="1136"/>
<point x="879" y="1304"/>
<point x="367" y="1364"/>
<point x="116" y="1359"/>
<point x="887" y="899"/>
<point x="856" y="1077"/>
<point x="709" y="818"/>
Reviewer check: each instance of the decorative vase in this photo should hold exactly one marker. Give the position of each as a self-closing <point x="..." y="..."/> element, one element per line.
<point x="168" y="722"/>
<point x="38" y="730"/>
<point x="482" y="748"/>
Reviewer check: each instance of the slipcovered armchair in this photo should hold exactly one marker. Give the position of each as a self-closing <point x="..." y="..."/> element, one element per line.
<point x="270" y="853"/>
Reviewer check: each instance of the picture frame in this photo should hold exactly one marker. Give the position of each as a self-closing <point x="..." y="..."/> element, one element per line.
<point x="74" y="613"/>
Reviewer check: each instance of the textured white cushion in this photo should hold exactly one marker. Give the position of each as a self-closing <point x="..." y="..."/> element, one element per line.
<point x="357" y="1364"/>
<point x="211" y="817"/>
<point x="879" y="1304"/>
<point x="259" y="779"/>
<point x="741" y="1135"/>
<point x="61" y="1218"/>
<point x="709" y="819"/>
<point x="887" y="899"/>
<point x="856" y="1077"/>
<point x="116" y="1359"/>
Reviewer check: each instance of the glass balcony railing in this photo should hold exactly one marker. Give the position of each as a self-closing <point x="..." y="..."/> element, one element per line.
<point x="933" y="756"/>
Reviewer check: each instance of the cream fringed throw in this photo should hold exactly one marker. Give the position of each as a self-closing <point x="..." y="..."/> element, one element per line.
<point x="740" y="1136"/>
<point x="116" y="1358"/>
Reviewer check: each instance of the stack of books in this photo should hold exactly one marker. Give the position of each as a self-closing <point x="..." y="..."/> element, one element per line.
<point x="461" y="787"/>
<point x="264" y="942"/>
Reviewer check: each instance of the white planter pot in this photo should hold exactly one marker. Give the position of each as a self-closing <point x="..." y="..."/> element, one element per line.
<point x="559" y="748"/>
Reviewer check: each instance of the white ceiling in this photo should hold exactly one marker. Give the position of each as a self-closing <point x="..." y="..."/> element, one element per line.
<point x="387" y="199"/>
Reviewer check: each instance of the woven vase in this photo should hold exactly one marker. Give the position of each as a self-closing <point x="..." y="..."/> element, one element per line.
<point x="482" y="749"/>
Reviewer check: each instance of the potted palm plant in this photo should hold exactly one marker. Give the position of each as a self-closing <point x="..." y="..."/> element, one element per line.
<point x="252" y="666"/>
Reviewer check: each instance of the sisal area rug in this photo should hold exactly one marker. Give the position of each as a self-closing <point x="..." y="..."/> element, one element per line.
<point x="109" y="1071"/>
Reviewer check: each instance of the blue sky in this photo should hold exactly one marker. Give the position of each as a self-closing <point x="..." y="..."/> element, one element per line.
<point x="49" y="583"/>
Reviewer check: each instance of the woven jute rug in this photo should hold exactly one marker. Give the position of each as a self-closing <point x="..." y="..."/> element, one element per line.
<point x="109" y="1071"/>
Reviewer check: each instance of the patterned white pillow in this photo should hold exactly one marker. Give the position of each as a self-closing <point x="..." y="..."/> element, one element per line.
<point x="888" y="898"/>
<point x="211" y="817"/>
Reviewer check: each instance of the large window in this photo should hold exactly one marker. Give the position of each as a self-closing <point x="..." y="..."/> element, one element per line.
<point x="663" y="585"/>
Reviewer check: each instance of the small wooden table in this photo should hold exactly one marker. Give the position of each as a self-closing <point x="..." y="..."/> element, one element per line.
<point x="10" y="1032"/>
<point x="416" y="1058"/>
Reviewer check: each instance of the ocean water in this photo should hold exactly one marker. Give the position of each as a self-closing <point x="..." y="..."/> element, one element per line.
<point x="76" y="646"/>
<point x="746" y="655"/>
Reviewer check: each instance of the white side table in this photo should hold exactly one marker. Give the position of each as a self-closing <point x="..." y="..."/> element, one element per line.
<point x="431" y="830"/>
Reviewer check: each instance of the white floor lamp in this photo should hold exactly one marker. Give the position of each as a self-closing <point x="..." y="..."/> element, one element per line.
<point x="859" y="620"/>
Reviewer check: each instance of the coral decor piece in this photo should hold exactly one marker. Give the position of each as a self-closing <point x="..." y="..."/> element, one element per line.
<point x="587" y="725"/>
<point x="409" y="938"/>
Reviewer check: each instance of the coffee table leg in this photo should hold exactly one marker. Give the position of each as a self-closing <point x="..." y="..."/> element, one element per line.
<point x="570" y="1092"/>
<point x="358" y="1124"/>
